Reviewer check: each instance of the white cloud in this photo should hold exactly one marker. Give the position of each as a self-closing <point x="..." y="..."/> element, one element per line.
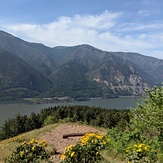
<point x="102" y="31"/>
<point x="66" y="30"/>
<point x="99" y="22"/>
<point x="139" y="26"/>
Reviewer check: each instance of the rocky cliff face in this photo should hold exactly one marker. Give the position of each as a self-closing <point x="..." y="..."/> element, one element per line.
<point x="120" y="77"/>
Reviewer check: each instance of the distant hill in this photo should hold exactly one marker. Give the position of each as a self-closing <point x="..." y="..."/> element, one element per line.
<point x="34" y="54"/>
<point x="77" y="71"/>
<point x="19" y="79"/>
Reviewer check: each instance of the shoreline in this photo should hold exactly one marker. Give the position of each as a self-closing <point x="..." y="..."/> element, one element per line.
<point x="24" y="102"/>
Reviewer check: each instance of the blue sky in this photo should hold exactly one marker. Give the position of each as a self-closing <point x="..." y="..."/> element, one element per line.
<point x="111" y="25"/>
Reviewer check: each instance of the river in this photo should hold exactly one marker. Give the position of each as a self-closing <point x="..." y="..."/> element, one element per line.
<point x="10" y="109"/>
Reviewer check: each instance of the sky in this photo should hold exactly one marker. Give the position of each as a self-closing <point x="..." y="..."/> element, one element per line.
<point x="109" y="25"/>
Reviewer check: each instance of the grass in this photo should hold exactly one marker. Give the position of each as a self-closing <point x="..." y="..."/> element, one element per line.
<point x="7" y="146"/>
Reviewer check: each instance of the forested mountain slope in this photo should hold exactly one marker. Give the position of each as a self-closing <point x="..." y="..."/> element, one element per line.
<point x="80" y="70"/>
<point x="19" y="79"/>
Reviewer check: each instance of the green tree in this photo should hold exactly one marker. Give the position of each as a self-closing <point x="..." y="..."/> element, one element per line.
<point x="148" y="115"/>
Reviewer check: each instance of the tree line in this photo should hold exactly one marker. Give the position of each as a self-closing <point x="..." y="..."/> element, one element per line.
<point x="95" y="116"/>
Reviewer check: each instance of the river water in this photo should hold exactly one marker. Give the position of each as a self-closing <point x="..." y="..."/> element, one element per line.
<point x="10" y="109"/>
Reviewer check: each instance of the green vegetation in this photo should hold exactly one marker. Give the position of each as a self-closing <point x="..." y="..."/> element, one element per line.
<point x="135" y="135"/>
<point x="144" y="127"/>
<point x="69" y="80"/>
<point x="107" y="118"/>
<point x="8" y="146"/>
<point x="148" y="117"/>
<point x="18" y="79"/>
<point x="141" y="153"/>
<point x="31" y="151"/>
<point x="88" y="149"/>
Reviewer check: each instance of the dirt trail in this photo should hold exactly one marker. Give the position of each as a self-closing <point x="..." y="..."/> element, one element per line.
<point x="55" y="137"/>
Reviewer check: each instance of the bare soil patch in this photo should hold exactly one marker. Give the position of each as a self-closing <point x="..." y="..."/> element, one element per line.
<point x="55" y="137"/>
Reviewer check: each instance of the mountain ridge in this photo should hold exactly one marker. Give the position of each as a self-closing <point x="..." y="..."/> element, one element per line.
<point x="83" y="70"/>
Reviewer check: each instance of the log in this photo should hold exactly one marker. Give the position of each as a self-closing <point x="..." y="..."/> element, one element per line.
<point x="72" y="135"/>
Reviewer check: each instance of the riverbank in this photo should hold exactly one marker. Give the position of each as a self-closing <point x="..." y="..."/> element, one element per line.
<point x="54" y="100"/>
<point x="9" y="109"/>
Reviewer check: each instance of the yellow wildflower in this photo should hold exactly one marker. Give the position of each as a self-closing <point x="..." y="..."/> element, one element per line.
<point x="104" y="142"/>
<point x="31" y="141"/>
<point x="33" y="148"/>
<point x="63" y="157"/>
<point x="129" y="147"/>
<point x="70" y="147"/>
<point x="141" y="145"/>
<point x="108" y="139"/>
<point x="135" y="146"/>
<point x="72" y="154"/>
<point x="43" y="143"/>
<point x="100" y="136"/>
<point x="91" y="137"/>
<point x="139" y="150"/>
<point x="24" y="142"/>
<point x="21" y="153"/>
<point x="145" y="148"/>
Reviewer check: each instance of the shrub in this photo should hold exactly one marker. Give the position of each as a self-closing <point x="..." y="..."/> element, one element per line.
<point x="141" y="153"/>
<point x="148" y="115"/>
<point x="88" y="149"/>
<point x="31" y="151"/>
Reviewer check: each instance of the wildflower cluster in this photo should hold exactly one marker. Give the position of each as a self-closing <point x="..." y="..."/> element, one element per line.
<point x="141" y="153"/>
<point x="94" y="138"/>
<point x="18" y="139"/>
<point x="88" y="149"/>
<point x="31" y="151"/>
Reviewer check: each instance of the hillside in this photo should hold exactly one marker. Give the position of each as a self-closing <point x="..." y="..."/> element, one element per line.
<point x="34" y="54"/>
<point x="150" y="65"/>
<point x="53" y="134"/>
<point x="54" y="122"/>
<point x="19" y="79"/>
<point x="77" y="71"/>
